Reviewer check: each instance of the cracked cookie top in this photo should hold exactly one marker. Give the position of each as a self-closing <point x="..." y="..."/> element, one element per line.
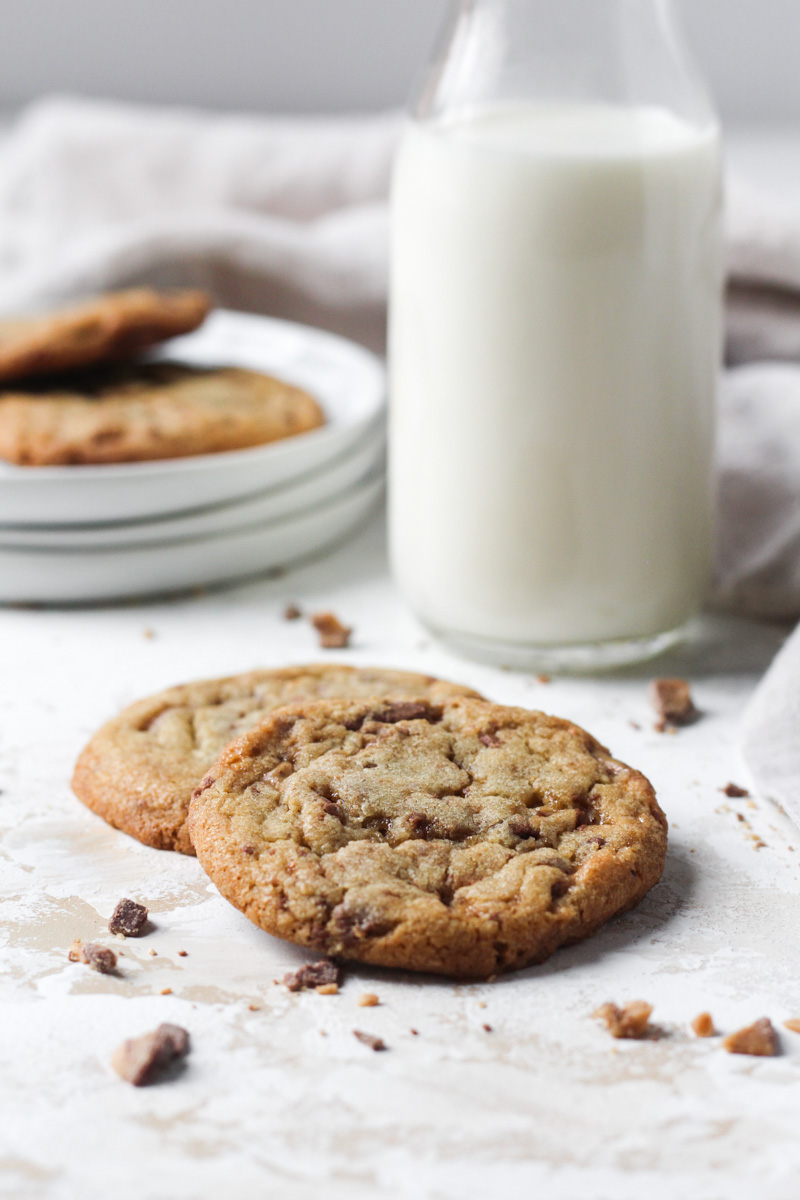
<point x="138" y="772"/>
<point x="459" y="837"/>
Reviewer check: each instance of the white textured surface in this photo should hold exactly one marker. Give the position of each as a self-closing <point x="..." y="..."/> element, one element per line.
<point x="545" y="1104"/>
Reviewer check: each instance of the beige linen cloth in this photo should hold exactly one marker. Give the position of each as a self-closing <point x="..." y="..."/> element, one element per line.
<point x="289" y="217"/>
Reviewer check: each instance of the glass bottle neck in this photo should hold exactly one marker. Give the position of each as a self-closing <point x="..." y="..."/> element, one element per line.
<point x="621" y="52"/>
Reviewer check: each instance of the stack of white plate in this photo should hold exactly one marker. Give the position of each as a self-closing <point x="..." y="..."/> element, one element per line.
<point x="85" y="533"/>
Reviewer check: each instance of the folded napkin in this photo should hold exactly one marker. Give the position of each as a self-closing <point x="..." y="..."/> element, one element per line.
<point x="281" y="215"/>
<point x="771" y="730"/>
<point x="289" y="217"/>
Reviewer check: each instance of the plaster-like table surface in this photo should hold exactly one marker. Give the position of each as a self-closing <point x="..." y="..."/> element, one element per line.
<point x="278" y="1097"/>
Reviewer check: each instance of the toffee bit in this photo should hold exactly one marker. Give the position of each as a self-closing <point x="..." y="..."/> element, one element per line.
<point x="367" y="1000"/>
<point x="703" y="1026"/>
<point x="630" y="1021"/>
<point x="292" y="613"/>
<point x="793" y="1025"/>
<point x="327" y="989"/>
<point x="99" y="958"/>
<point x="254" y="1008"/>
<point x="183" y="954"/>
<point x="166" y="991"/>
<point x="758" y="1039"/>
<point x="672" y="700"/>
<point x="142" y="1060"/>
<point x="369" y="1039"/>
<point x="128" y="918"/>
<point x="153" y="953"/>
<point x="312" y="975"/>
<point x="734" y="792"/>
<point x="333" y="635"/>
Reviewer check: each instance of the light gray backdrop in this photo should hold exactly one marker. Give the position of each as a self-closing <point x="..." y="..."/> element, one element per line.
<point x="306" y="55"/>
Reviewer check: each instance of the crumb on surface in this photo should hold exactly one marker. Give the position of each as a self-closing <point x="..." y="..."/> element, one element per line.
<point x="312" y="975"/>
<point x="292" y="612"/>
<point x="703" y="1025"/>
<point x="152" y="952"/>
<point x="672" y="700"/>
<point x="367" y="1000"/>
<point x="183" y="954"/>
<point x="630" y="1021"/>
<point x="128" y="918"/>
<point x="734" y="792"/>
<point x="333" y="635"/>
<point x="544" y="678"/>
<point x="93" y="955"/>
<point x="793" y="1025"/>
<point x="142" y="1060"/>
<point x="149" y="634"/>
<point x="369" y="1039"/>
<point x="414" y="1032"/>
<point x="487" y="1028"/>
<point x="166" y="991"/>
<point x="327" y="989"/>
<point x="481" y="1004"/>
<point x="254" y="1007"/>
<point x="758" y="1039"/>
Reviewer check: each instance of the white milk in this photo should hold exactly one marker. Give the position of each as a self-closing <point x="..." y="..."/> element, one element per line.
<point x="554" y="341"/>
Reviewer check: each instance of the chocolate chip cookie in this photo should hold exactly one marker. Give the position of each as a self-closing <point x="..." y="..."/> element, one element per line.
<point x="143" y="412"/>
<point x="138" y="772"/>
<point x="110" y="327"/>
<point x="457" y="837"/>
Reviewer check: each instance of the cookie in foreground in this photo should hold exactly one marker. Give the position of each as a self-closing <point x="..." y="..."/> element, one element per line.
<point x="104" y="329"/>
<point x="461" y="837"/>
<point x="142" y="412"/>
<point x="139" y="770"/>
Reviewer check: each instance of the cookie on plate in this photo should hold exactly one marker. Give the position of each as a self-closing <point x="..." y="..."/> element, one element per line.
<point x="143" y="412"/>
<point x="461" y="838"/>
<point x="139" y="771"/>
<point x="107" y="328"/>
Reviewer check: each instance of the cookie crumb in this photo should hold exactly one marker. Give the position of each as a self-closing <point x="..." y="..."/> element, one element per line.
<point x="734" y="792"/>
<point x="758" y="1039"/>
<point x="254" y="1008"/>
<point x="487" y="1028"/>
<point x="630" y="1021"/>
<point x="312" y="975"/>
<point x="544" y="678"/>
<point x="153" y="953"/>
<point x="99" y="958"/>
<point x="634" y="724"/>
<point x="141" y="1060"/>
<point x="672" y="700"/>
<point x="369" y="1039"/>
<point x="333" y="635"/>
<point x="414" y="1032"/>
<point x="292" y="612"/>
<point x="166" y="991"/>
<point x="703" y="1025"/>
<point x="367" y="1000"/>
<point x="793" y="1025"/>
<point x="481" y="1004"/>
<point x="183" y="954"/>
<point x="128" y="918"/>
<point x="327" y="989"/>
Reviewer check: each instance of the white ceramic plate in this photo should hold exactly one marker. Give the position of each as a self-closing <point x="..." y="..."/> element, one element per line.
<point x="326" y="484"/>
<point x="29" y="576"/>
<point x="347" y="380"/>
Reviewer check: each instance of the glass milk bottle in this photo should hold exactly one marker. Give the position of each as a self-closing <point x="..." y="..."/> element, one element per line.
<point x="555" y="334"/>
